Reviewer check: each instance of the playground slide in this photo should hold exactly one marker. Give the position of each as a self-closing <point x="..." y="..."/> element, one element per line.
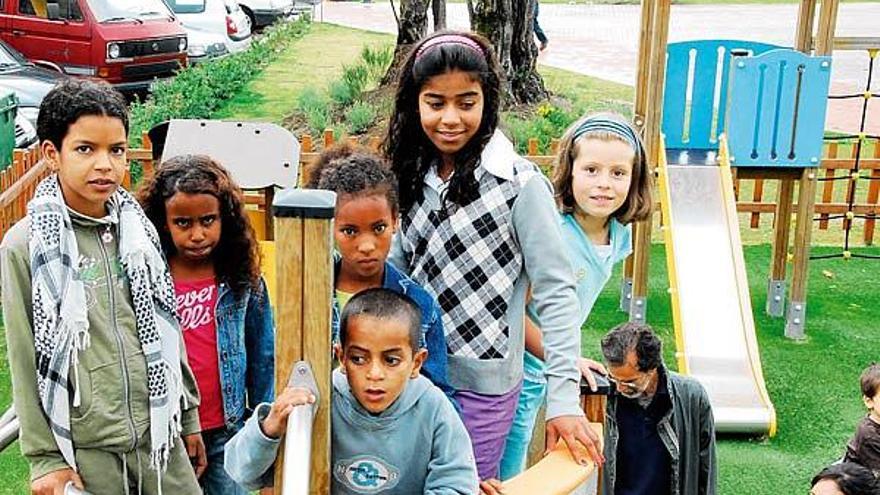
<point x="712" y="312"/>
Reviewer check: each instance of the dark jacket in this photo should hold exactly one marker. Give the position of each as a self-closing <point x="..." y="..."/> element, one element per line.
<point x="687" y="431"/>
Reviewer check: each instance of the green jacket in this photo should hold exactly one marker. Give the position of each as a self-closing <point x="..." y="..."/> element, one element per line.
<point x="687" y="431"/>
<point x="114" y="407"/>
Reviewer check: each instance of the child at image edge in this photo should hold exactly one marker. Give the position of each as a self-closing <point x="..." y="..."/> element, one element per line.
<point x="864" y="448"/>
<point x="100" y="380"/>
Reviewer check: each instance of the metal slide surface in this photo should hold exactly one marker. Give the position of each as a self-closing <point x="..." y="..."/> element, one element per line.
<point x="715" y="329"/>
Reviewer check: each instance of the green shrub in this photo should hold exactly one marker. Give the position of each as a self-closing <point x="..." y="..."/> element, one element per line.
<point x="318" y="119"/>
<point x="341" y="93"/>
<point x="196" y="92"/>
<point x="356" y="77"/>
<point x="311" y="99"/>
<point x="377" y="59"/>
<point x="360" y="117"/>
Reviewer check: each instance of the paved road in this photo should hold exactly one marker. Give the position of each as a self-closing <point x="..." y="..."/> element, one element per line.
<point x="602" y="40"/>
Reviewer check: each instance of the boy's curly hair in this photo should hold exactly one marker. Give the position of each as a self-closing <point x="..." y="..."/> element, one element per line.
<point x="870" y="380"/>
<point x="237" y="256"/>
<point x="73" y="98"/>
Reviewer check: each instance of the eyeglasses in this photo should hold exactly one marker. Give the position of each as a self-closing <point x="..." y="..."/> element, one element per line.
<point x="636" y="384"/>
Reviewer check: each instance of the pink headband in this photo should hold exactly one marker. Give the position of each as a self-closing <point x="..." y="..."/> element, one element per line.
<point x="446" y="39"/>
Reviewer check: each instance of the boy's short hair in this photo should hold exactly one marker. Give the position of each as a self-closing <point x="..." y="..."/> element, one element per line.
<point x="870" y="380"/>
<point x="71" y="99"/>
<point x="383" y="304"/>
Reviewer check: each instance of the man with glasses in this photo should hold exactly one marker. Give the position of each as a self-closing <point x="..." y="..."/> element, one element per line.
<point x="659" y="430"/>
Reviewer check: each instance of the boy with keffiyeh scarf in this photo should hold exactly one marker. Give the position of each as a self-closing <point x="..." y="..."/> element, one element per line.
<point x="100" y="381"/>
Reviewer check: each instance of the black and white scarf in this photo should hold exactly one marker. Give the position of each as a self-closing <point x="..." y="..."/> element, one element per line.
<point x="60" y="319"/>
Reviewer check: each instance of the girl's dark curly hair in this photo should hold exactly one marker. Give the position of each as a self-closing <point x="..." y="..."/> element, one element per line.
<point x="406" y="145"/>
<point x="360" y="174"/>
<point x="237" y="256"/>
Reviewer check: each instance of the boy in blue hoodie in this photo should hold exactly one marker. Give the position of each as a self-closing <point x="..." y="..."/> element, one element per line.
<point x="393" y="431"/>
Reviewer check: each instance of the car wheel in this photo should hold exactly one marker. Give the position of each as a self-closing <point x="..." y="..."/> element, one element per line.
<point x="250" y="16"/>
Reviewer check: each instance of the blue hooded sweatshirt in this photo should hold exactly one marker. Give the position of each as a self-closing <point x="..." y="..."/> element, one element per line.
<point x="417" y="445"/>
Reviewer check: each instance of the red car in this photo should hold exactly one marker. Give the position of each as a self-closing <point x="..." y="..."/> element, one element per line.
<point x="128" y="43"/>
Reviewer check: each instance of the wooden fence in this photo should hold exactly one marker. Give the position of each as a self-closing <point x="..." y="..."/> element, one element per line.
<point x="837" y="183"/>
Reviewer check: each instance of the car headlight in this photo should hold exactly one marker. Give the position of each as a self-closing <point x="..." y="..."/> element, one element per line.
<point x="181" y="45"/>
<point x="197" y="51"/>
<point x="29" y="113"/>
<point x="113" y="51"/>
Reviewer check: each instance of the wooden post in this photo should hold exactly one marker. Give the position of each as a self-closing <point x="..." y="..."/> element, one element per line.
<point x="775" y="305"/>
<point x="304" y="274"/>
<point x="873" y="196"/>
<point x="795" y="322"/>
<point x="643" y="74"/>
<point x="797" y="307"/>
<point x="781" y="227"/>
<point x="657" y="38"/>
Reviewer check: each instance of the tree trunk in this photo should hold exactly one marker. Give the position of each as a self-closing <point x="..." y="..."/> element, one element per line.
<point x="412" y="25"/>
<point x="438" y="9"/>
<point x="509" y="26"/>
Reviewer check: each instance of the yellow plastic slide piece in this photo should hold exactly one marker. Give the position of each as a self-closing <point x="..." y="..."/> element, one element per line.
<point x="556" y="474"/>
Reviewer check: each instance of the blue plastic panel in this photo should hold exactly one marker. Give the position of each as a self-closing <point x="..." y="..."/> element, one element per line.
<point x="777" y="109"/>
<point x="689" y="124"/>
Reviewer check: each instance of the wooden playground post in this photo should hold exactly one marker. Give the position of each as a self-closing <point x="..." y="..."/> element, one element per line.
<point x="775" y="305"/>
<point x="797" y="307"/>
<point x="303" y="233"/>
<point x="653" y="44"/>
<point x="640" y="109"/>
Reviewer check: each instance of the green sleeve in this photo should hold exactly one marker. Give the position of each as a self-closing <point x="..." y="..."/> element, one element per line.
<point x="36" y="441"/>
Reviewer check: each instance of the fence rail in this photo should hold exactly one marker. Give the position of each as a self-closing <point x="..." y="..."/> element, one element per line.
<point x="754" y="196"/>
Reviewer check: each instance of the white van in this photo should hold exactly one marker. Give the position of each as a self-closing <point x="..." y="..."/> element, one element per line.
<point x="265" y="12"/>
<point x="213" y="27"/>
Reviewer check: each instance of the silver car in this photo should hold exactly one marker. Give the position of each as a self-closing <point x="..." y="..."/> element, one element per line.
<point x="214" y="28"/>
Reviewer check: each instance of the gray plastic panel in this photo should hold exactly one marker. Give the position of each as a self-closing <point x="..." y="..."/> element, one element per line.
<point x="257" y="154"/>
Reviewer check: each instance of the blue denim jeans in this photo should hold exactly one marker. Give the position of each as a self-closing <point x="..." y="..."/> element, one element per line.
<point x="214" y="480"/>
<point x="516" y="448"/>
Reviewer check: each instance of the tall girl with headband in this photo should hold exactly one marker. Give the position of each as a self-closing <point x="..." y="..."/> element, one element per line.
<point x="602" y="185"/>
<point x="222" y="300"/>
<point x="478" y="225"/>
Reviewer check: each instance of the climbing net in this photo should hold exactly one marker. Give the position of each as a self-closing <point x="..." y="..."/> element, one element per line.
<point x="855" y="174"/>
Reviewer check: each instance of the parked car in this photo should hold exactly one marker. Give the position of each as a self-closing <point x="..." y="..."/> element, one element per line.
<point x="128" y="43"/>
<point x="214" y="27"/>
<point x="265" y="12"/>
<point x="29" y="82"/>
<point x="25" y="132"/>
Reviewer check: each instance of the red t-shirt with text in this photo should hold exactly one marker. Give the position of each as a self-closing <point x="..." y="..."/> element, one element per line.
<point x="196" y="303"/>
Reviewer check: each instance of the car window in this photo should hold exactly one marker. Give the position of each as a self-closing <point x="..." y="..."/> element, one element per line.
<point x="187" y="6"/>
<point x="67" y="9"/>
<point x="127" y="10"/>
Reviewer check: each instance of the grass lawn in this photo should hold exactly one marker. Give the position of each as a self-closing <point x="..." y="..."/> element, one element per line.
<point x="272" y="96"/>
<point x="813" y="384"/>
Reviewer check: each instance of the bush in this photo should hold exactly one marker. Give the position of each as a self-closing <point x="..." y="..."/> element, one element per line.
<point x="377" y="59"/>
<point x="196" y="92"/>
<point x="356" y="78"/>
<point x="360" y="117"/>
<point x="311" y="99"/>
<point x="341" y="93"/>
